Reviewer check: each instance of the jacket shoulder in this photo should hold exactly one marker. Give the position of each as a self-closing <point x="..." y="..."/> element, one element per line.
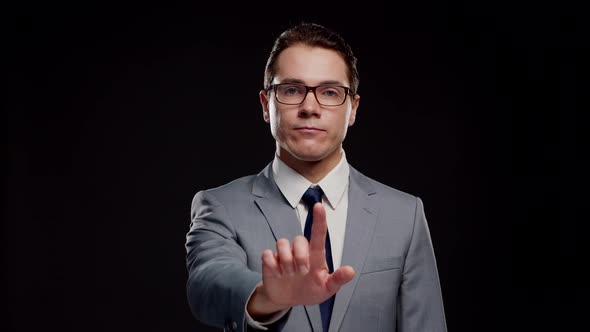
<point x="384" y="190"/>
<point x="235" y="188"/>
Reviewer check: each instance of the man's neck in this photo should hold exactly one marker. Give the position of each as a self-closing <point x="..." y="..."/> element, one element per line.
<point x="314" y="171"/>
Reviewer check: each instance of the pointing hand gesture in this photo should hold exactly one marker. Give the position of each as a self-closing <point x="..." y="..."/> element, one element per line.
<point x="298" y="274"/>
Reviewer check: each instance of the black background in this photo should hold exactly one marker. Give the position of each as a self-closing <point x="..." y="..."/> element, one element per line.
<point x="117" y="115"/>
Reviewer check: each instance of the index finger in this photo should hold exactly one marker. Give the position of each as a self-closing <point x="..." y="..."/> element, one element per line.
<point x="317" y="246"/>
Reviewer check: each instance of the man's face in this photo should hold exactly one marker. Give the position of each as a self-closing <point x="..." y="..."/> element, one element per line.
<point x="309" y="131"/>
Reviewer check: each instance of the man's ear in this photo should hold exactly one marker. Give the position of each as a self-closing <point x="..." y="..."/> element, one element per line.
<point x="355" y="105"/>
<point x="264" y="103"/>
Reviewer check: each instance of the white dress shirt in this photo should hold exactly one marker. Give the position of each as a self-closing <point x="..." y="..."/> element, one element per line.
<point x="335" y="200"/>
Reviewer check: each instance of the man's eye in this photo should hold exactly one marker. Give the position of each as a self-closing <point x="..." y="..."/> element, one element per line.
<point x="331" y="92"/>
<point x="291" y="91"/>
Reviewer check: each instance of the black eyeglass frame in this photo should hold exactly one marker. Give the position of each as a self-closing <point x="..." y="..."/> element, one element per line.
<point x="347" y="92"/>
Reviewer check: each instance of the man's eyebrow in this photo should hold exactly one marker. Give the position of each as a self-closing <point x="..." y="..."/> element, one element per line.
<point x="298" y="81"/>
<point x="292" y="80"/>
<point x="331" y="83"/>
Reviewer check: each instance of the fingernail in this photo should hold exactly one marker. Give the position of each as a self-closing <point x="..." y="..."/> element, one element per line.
<point x="302" y="268"/>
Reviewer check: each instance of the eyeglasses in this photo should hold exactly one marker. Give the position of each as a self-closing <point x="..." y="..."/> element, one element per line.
<point x="295" y="94"/>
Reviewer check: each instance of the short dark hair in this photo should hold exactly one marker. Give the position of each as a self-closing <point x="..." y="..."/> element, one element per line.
<point x="312" y="34"/>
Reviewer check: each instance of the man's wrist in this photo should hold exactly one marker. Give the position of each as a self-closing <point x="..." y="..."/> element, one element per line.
<point x="260" y="307"/>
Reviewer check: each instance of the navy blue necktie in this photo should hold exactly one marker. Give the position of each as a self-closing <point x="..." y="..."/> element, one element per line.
<point x="310" y="197"/>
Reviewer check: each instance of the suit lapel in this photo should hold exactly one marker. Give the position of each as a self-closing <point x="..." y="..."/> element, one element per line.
<point x="283" y="223"/>
<point x="360" y="224"/>
<point x="314" y="316"/>
<point x="280" y="216"/>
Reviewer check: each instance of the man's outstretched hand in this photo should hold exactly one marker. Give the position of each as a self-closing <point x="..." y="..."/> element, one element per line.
<point x="297" y="275"/>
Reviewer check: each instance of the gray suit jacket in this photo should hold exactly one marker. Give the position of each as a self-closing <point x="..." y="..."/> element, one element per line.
<point x="387" y="241"/>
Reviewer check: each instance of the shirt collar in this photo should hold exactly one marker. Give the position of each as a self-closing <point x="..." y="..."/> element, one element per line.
<point x="293" y="184"/>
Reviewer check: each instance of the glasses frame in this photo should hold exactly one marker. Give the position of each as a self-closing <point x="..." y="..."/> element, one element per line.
<point x="347" y="90"/>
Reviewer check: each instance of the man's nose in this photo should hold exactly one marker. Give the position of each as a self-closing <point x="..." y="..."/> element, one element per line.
<point x="310" y="106"/>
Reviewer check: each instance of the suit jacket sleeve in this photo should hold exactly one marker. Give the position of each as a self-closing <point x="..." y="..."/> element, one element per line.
<point x="219" y="281"/>
<point x="421" y="304"/>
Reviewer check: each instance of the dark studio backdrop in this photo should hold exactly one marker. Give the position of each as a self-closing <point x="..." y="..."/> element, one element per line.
<point x="116" y="116"/>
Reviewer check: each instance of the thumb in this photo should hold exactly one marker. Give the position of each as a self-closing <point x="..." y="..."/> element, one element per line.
<point x="340" y="277"/>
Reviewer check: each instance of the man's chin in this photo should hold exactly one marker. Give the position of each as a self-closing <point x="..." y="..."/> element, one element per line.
<point x="307" y="153"/>
<point x="310" y="156"/>
<point x="307" y="156"/>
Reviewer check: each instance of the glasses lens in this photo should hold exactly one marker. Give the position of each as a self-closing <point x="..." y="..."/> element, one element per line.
<point x="291" y="93"/>
<point x="330" y="95"/>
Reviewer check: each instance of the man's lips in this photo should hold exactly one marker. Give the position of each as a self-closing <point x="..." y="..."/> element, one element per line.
<point x="308" y="128"/>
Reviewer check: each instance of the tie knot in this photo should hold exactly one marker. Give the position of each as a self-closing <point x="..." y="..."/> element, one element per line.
<point x="312" y="196"/>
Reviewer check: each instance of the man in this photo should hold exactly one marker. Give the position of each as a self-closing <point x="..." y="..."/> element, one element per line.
<point x="369" y="264"/>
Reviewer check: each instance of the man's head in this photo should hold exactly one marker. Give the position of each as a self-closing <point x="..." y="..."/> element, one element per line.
<point x="309" y="96"/>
